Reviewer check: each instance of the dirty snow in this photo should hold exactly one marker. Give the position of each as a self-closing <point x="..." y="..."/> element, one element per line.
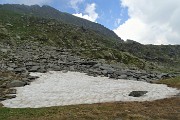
<point x="59" y="89"/>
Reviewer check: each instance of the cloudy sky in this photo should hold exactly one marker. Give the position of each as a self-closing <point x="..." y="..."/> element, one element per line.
<point x="145" y="21"/>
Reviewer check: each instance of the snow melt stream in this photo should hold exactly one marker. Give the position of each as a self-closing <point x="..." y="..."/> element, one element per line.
<point x="59" y="89"/>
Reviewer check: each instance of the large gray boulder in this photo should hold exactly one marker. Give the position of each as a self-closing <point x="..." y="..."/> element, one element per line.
<point x="137" y="93"/>
<point x="16" y="83"/>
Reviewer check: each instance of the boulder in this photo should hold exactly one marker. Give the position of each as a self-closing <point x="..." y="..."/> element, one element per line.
<point x="34" y="69"/>
<point x="137" y="93"/>
<point x="16" y="83"/>
<point x="19" y="70"/>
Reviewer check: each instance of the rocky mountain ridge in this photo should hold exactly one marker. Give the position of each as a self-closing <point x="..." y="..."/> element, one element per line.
<point x="49" y="12"/>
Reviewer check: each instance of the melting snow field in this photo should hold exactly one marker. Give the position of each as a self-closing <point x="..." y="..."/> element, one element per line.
<point x="58" y="89"/>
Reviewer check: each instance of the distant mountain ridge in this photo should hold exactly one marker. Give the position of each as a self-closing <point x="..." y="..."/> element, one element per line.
<point x="51" y="13"/>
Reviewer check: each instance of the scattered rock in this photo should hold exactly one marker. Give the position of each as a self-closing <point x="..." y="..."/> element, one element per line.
<point x="64" y="71"/>
<point x="137" y="93"/>
<point x="16" y="83"/>
<point x="2" y="98"/>
<point x="10" y="96"/>
<point x="34" y="69"/>
<point x="122" y="77"/>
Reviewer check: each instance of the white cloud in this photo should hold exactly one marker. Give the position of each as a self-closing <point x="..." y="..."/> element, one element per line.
<point x="74" y="4"/>
<point x="27" y="2"/>
<point x="90" y="13"/>
<point x="151" y="21"/>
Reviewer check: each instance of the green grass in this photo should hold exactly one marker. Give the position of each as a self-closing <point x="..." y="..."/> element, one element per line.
<point x="172" y="82"/>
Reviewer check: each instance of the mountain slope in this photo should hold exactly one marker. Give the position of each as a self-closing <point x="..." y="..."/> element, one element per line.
<point x="36" y="23"/>
<point x="167" y="56"/>
<point x="49" y="12"/>
<point x="87" y="43"/>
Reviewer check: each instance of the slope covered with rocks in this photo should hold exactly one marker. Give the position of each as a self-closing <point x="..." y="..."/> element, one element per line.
<point x="34" y="44"/>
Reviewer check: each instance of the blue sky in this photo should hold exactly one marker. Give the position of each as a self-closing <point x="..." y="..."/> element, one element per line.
<point x="144" y="21"/>
<point x="109" y="11"/>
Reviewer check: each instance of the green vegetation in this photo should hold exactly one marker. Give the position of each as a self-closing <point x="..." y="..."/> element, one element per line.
<point x="172" y="82"/>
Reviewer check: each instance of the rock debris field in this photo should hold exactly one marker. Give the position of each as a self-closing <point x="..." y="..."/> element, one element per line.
<point x="71" y="88"/>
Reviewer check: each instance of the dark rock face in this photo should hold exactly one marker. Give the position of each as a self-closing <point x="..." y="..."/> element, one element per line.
<point x="137" y="93"/>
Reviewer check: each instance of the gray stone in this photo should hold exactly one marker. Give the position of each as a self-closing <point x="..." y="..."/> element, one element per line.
<point x="4" y="50"/>
<point x="2" y="98"/>
<point x="56" y="68"/>
<point x="34" y="69"/>
<point x="12" y="91"/>
<point x="64" y="71"/>
<point x="12" y="65"/>
<point x="32" y="77"/>
<point x="91" y="63"/>
<point x="104" y="72"/>
<point x="97" y="65"/>
<point x="71" y="68"/>
<point x="16" y="83"/>
<point x="137" y="93"/>
<point x="10" y="69"/>
<point x="10" y="96"/>
<point x="30" y="64"/>
<point x="122" y="77"/>
<point x="19" y="70"/>
<point x="132" y="78"/>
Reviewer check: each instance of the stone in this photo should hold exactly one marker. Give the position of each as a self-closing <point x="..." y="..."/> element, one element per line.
<point x="19" y="70"/>
<point x="71" y="68"/>
<point x="91" y="63"/>
<point x="137" y="93"/>
<point x="122" y="77"/>
<point x="16" y="83"/>
<point x="10" y="69"/>
<point x="2" y="98"/>
<point x="34" y="69"/>
<point x="108" y="68"/>
<point x="31" y="78"/>
<point x="10" y="96"/>
<point x="97" y="65"/>
<point x="4" y="50"/>
<point x="104" y="72"/>
<point x="64" y="71"/>
<point x="12" y="91"/>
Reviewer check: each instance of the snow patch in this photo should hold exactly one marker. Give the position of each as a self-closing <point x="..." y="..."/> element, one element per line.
<point x="59" y="89"/>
